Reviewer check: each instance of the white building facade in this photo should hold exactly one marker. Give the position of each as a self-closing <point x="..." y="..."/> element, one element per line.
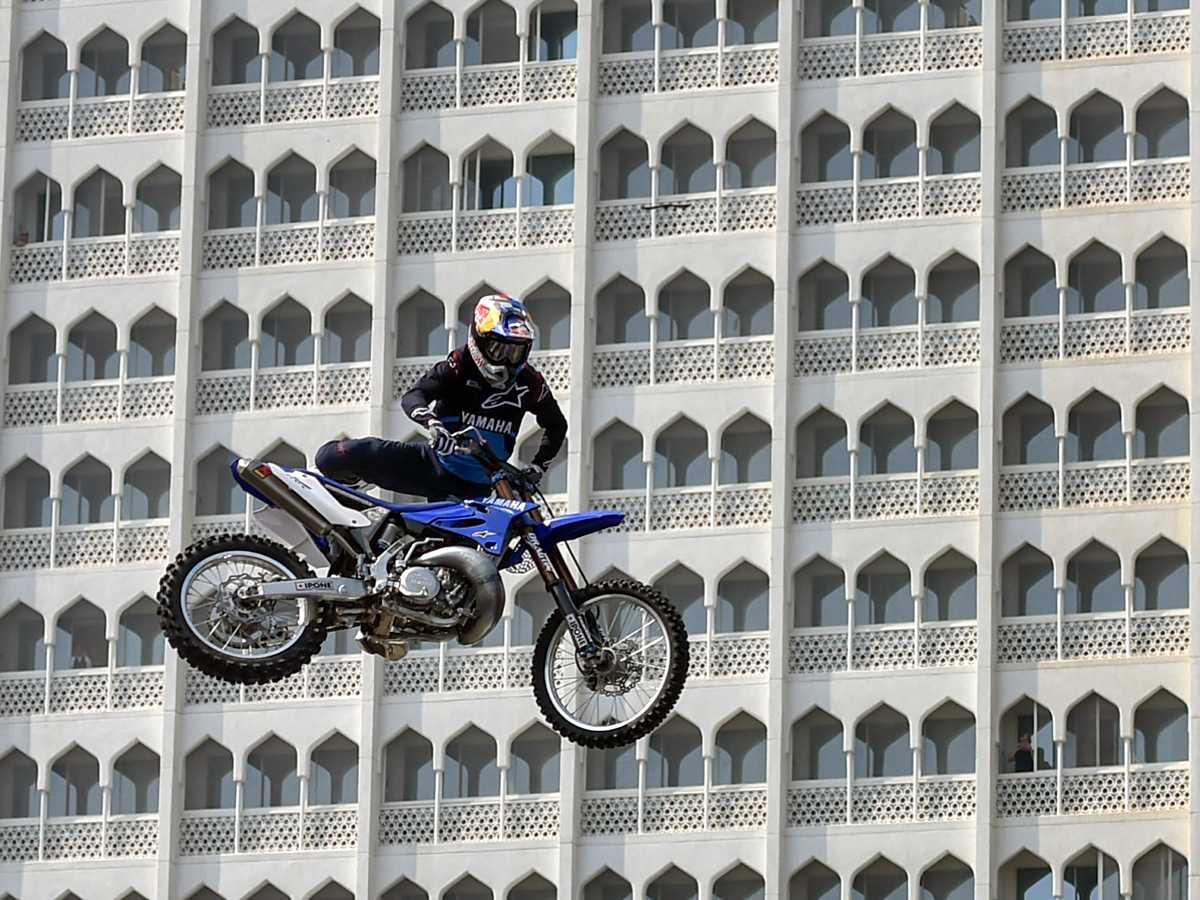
<point x="874" y="317"/>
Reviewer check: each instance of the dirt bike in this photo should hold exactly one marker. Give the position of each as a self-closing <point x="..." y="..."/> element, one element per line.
<point x="609" y="663"/>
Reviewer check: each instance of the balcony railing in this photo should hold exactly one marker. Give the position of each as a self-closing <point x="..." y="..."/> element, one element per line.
<point x="720" y="506"/>
<point x="444" y="671"/>
<point x="839" y="498"/>
<point x="288" y="387"/>
<point x="1116" y="483"/>
<point x="745" y="655"/>
<point x="79" y="838"/>
<point x="555" y="366"/>
<point x="288" y="830"/>
<point x="110" y="400"/>
<point x="231" y="106"/>
<point x="1097" y="37"/>
<point x="464" y="231"/>
<point x="118" y="256"/>
<point x="55" y="120"/>
<point x="675" y="810"/>
<point x="1107" y="789"/>
<point x="526" y="818"/>
<point x="872" y="647"/>
<point x="881" y="349"/>
<point x="499" y="84"/>
<point x="888" y="199"/>
<point x="68" y="546"/>
<point x="81" y="690"/>
<point x="289" y="245"/>
<point x="750" y="209"/>
<point x="1096" y="336"/>
<point x="891" y="54"/>
<point x="683" y="362"/>
<point x="325" y="678"/>
<point x="701" y="68"/>
<point x="881" y="801"/>
<point x="1096" y="184"/>
<point x="1094" y="636"/>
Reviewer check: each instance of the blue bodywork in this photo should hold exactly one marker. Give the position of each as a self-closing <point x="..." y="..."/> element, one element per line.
<point x="488" y="521"/>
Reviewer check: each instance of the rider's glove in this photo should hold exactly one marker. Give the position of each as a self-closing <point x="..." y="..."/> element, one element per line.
<point x="440" y="438"/>
<point x="532" y="474"/>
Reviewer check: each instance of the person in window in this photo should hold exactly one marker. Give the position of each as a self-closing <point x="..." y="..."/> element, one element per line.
<point x="1022" y="757"/>
<point x="80" y="660"/>
<point x="486" y="384"/>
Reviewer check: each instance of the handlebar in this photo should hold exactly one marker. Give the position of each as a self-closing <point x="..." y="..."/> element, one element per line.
<point x="471" y="442"/>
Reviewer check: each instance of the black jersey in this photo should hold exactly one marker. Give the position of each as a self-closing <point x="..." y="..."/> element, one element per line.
<point x="456" y="393"/>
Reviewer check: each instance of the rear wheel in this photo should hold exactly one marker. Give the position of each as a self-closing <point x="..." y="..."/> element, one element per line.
<point x="641" y="675"/>
<point x="244" y="641"/>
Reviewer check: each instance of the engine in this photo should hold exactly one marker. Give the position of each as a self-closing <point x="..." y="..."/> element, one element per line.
<point x="438" y="591"/>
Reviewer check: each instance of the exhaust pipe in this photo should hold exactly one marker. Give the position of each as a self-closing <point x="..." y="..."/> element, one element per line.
<point x="485" y="581"/>
<point x="270" y="487"/>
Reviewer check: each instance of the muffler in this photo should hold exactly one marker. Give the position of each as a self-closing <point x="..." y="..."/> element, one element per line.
<point x="259" y="476"/>
<point x="486" y="585"/>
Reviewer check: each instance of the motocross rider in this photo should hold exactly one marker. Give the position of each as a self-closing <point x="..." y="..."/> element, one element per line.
<point x="487" y="384"/>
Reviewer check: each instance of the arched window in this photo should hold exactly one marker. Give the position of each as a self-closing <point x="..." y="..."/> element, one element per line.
<point x="235" y="54"/>
<point x="948" y="879"/>
<point x="686" y="165"/>
<point x="614" y="769"/>
<point x="748" y="306"/>
<point x="815" y="882"/>
<point x="421" y="327"/>
<point x="750" y="157"/>
<point x="333" y="774"/>
<point x="890" y="146"/>
<point x="881" y="746"/>
<point x="740" y="883"/>
<point x="1029" y="436"/>
<point x="550" y="306"/>
<point x="681" y="456"/>
<point x="231" y="199"/>
<point x="430" y="43"/>
<point x="1162" y="276"/>
<point x="953" y="140"/>
<point x="1160" y="874"/>
<point x="551" y="170"/>
<point x="1094" y="581"/>
<point x="164" y="61"/>
<point x="221" y="496"/>
<point x="18" y="774"/>
<point x="950" y="589"/>
<point x="1031" y="136"/>
<point x="268" y="892"/>
<point x="31" y="353"/>
<point x="139" y="638"/>
<point x="685" y="589"/>
<point x="1094" y="282"/>
<point x="332" y="891"/>
<point x="627" y="26"/>
<point x="881" y="880"/>
<point x="624" y="166"/>
<point x="673" y="884"/>
<point x="1162" y="426"/>
<point x="427" y="181"/>
<point x="99" y="209"/>
<point x="1027" y="584"/>
<point x="1096" y="134"/>
<point x="883" y="16"/>
<point x="471" y="769"/>
<point x="818" y="752"/>
<point x="684" y="309"/>
<point x="608" y="885"/>
<point x="746" y="451"/>
<point x="1094" y="430"/>
<point x="271" y="778"/>
<point x="532" y="607"/>
<point x="75" y="785"/>
<point x="1162" y="127"/>
<point x="208" y="777"/>
<point x="675" y="758"/>
<point x="534" y="763"/>
<point x="553" y="31"/>
<point x="1030" y="285"/>
<point x="44" y="73"/>
<point x="408" y="768"/>
<point x="296" y="51"/>
<point x="948" y="741"/>
<point x="286" y="338"/>
<point x="825" y="150"/>
<point x="135" y="782"/>
<point x="889" y="295"/>
<point x="356" y="46"/>
<point x="468" y="889"/>
<point x="741" y="752"/>
<point x="751" y="22"/>
<point x="743" y="600"/>
<point x="555" y="479"/>
<point x="285" y="454"/>
<point x="821" y="448"/>
<point x="953" y="291"/>
<point x="352" y="186"/>
<point x="487" y="175"/>
<point x="617" y="459"/>
<point x="1033" y="878"/>
<point x="23" y="640"/>
<point x="533" y="887"/>
<point x="886" y="443"/>
<point x="147" y="490"/>
<point x="1093" y="734"/>
<point x="491" y="35"/>
<point x="347" y="337"/>
<point x="1160" y="729"/>
<point x="156" y="207"/>
<point x="80" y="642"/>
<point x="87" y="497"/>
<point x="621" y="313"/>
<point x="152" y="345"/>
<point x="1161" y="577"/>
<point x="38" y="214"/>
<point x="819" y="595"/>
<point x="27" y="496"/>
<point x="103" y="66"/>
<point x="1092" y="875"/>
<point x="825" y="299"/>
<point x="405" y="890"/>
<point x="292" y="192"/>
<point x="952" y="439"/>
<point x="92" y="350"/>
<point x="689" y="23"/>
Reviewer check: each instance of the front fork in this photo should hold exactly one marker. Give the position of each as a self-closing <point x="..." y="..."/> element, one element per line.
<point x="561" y="586"/>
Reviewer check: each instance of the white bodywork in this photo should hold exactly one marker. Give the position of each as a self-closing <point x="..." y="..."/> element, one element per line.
<point x="314" y="494"/>
<point x="291" y="534"/>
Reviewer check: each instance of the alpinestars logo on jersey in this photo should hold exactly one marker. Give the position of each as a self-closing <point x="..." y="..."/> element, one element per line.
<point x="487" y="423"/>
<point x="511" y="397"/>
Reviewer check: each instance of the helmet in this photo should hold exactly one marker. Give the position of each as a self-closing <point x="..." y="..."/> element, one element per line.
<point x="500" y="338"/>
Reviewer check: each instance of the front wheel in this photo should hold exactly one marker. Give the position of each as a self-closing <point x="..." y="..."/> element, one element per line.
<point x="644" y="664"/>
<point x="244" y="641"/>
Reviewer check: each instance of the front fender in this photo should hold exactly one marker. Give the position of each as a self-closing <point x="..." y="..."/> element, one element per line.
<point x="576" y="525"/>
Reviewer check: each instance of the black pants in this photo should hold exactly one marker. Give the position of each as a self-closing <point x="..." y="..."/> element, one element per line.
<point x="407" y="467"/>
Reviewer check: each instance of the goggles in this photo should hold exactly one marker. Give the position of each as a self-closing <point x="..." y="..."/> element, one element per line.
<point x="504" y="352"/>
